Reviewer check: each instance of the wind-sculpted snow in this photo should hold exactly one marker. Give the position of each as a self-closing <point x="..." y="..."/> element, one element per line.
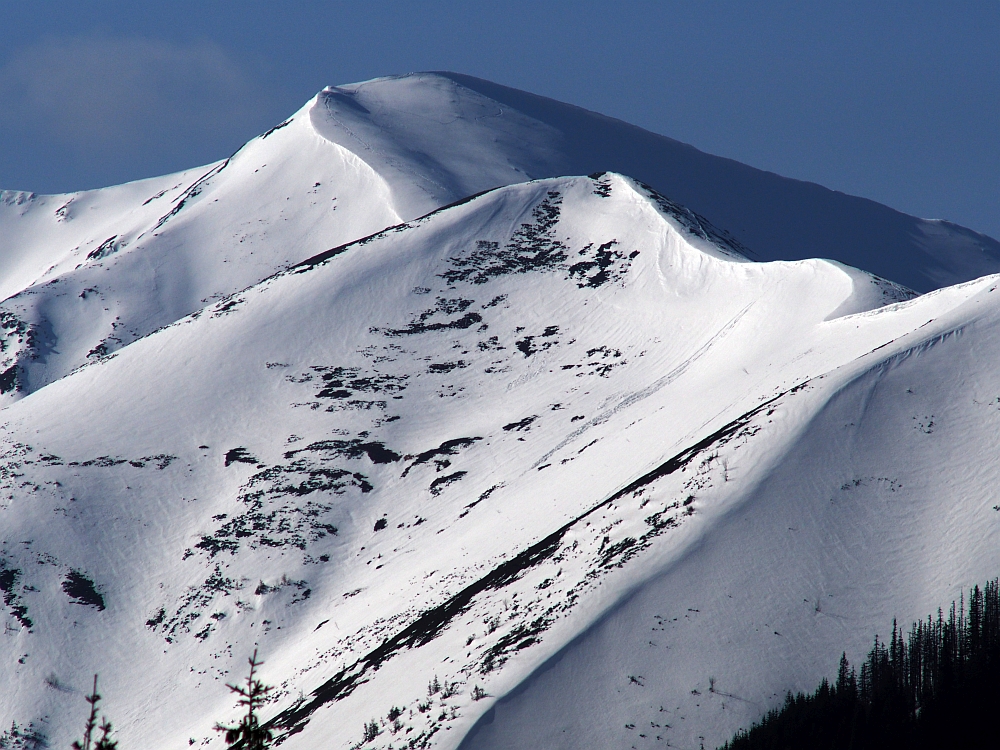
<point x="438" y="137"/>
<point x="773" y="217"/>
<point x="412" y="468"/>
<point x="85" y="274"/>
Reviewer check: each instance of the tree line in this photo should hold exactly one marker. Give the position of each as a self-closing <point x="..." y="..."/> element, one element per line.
<point x="934" y="686"/>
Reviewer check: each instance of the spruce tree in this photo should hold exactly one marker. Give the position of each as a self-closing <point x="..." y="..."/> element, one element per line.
<point x="249" y="734"/>
<point x="104" y="742"/>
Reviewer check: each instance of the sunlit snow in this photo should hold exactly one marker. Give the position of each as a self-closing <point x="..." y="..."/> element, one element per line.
<point x="557" y="465"/>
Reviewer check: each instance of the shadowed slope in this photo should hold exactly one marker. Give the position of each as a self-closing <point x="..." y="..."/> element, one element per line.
<point x="776" y="217"/>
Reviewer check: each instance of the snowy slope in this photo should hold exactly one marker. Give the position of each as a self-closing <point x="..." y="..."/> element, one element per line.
<point x="438" y="137"/>
<point x="884" y="506"/>
<point x="82" y="275"/>
<point x="440" y="455"/>
<point x="442" y="136"/>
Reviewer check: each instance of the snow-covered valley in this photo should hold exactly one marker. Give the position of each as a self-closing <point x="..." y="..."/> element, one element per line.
<point x="554" y="465"/>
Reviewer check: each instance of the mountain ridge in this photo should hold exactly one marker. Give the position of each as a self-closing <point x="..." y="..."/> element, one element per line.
<point x="446" y="465"/>
<point x="360" y="157"/>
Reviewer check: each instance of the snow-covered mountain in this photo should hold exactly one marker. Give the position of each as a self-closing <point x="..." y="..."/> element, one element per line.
<point x="555" y="465"/>
<point x="83" y="274"/>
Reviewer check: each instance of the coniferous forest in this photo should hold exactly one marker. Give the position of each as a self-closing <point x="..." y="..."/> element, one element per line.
<point x="936" y="686"/>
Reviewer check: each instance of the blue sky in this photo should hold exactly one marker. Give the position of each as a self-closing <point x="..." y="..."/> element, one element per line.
<point x="896" y="101"/>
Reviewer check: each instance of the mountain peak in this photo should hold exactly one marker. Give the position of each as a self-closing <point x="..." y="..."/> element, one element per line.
<point x="471" y="450"/>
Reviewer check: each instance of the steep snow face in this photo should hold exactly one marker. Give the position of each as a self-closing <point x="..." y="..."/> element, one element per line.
<point x="85" y="274"/>
<point x="435" y="141"/>
<point x="412" y="469"/>
<point x="884" y="507"/>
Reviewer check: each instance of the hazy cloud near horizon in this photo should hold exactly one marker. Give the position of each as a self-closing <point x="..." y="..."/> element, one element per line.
<point x="105" y="99"/>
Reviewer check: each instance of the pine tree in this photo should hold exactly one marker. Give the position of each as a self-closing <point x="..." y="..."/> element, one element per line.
<point x="248" y="734"/>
